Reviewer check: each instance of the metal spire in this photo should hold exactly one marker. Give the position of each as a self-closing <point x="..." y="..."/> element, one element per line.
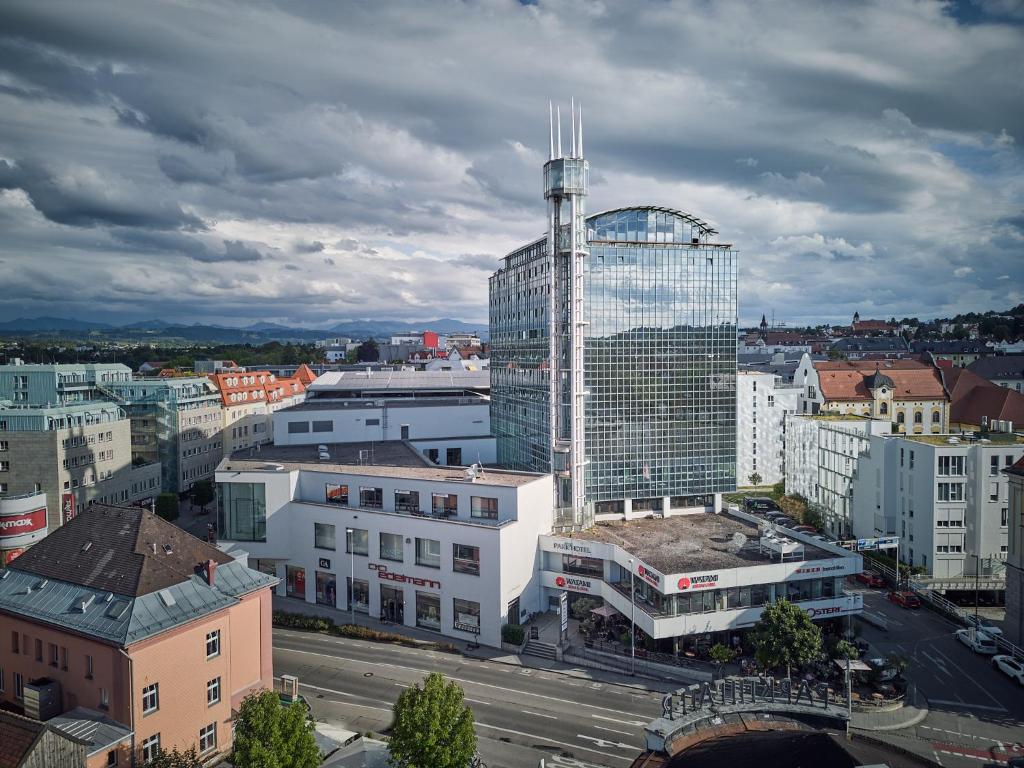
<point x="551" y="132"/>
<point x="580" y="145"/>
<point x="572" y="126"/>
<point x="558" y="116"/>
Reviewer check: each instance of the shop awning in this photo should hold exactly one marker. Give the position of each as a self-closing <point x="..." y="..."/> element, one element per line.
<point x="856" y="665"/>
<point x="605" y="611"/>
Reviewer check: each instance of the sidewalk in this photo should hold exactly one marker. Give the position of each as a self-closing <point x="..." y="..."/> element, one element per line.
<point x="482" y="653"/>
<point x="909" y="715"/>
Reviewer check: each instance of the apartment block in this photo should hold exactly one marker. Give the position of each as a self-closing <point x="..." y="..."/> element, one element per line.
<point x="762" y="402"/>
<point x="1014" y="623"/>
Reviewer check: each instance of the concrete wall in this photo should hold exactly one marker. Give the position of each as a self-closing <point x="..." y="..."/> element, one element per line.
<point x="1014" y="623"/>
<point x="762" y="402"/>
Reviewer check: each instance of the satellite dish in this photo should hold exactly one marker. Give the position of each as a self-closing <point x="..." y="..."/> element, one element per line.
<point x="739" y="540"/>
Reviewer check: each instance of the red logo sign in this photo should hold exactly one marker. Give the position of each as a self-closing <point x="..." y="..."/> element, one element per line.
<point x="651" y="577"/>
<point x="684" y="583"/>
<point x="707" y="581"/>
<point x="559" y="581"/>
<point x="386" y="575"/>
<point x="26" y="522"/>
<point x="67" y="507"/>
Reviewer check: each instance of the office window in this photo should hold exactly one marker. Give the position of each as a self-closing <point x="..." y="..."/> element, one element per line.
<point x="54" y="655"/>
<point x="428" y="553"/>
<point x="951" y="492"/>
<point x="104" y="698"/>
<point x="323" y="536"/>
<point x="64" y="658"/>
<point x="407" y="501"/>
<point x="88" y="667"/>
<point x="391" y="547"/>
<point x="993" y="491"/>
<point x="993" y="468"/>
<point x="357" y="542"/>
<point x="371" y="498"/>
<point x="337" y="494"/>
<point x="453" y="457"/>
<point x="1003" y="516"/>
<point x="39" y="649"/>
<point x="483" y="507"/>
<point x="444" y="504"/>
<point x="213" y="691"/>
<point x="19" y="686"/>
<point x="372" y="422"/>
<point x="466" y="559"/>
<point x="213" y="644"/>
<point x="951" y="465"/>
<point x="15" y="645"/>
<point x="151" y="748"/>
<point x="323" y="426"/>
<point x="911" y="459"/>
<point x="298" y="427"/>
<point x="151" y="698"/>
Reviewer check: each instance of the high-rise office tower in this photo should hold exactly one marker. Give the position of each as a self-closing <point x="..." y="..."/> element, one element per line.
<point x="613" y="353"/>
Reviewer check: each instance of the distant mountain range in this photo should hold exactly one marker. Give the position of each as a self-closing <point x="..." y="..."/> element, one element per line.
<point x="256" y="333"/>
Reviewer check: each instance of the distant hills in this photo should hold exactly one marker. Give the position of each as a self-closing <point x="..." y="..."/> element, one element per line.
<point x="256" y="333"/>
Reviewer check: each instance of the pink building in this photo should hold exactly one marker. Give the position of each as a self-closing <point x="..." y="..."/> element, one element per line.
<point x="125" y="619"/>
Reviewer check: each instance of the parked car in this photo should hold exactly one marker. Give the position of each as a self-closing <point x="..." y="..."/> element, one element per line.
<point x="806" y="529"/>
<point x="977" y="641"/>
<point x="1009" y="666"/>
<point x="905" y="599"/>
<point x="819" y="537"/>
<point x="870" y="578"/>
<point x="785" y="522"/>
<point x="759" y="504"/>
<point x="985" y="625"/>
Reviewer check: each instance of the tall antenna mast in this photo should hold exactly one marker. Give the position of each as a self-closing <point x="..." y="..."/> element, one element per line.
<point x="558" y="115"/>
<point x="572" y="126"/>
<point x="580" y="145"/>
<point x="551" y="132"/>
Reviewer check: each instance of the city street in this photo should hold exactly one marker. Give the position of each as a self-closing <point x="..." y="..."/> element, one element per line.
<point x="522" y="714"/>
<point x="972" y="707"/>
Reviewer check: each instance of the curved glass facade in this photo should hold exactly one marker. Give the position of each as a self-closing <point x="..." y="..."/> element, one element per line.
<point x="659" y="358"/>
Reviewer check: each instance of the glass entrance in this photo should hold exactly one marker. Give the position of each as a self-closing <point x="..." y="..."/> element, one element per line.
<point x="392" y="605"/>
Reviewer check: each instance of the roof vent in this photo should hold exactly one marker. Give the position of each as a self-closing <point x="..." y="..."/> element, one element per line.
<point x="168" y="550"/>
<point x="109" y="597"/>
<point x="42" y="583"/>
<point x="85" y="603"/>
<point x="4" y="574"/>
<point x="87" y="546"/>
<point x="153" y="545"/>
<point x="167" y="598"/>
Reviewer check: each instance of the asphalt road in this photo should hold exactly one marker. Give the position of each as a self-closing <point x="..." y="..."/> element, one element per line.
<point x="522" y="714"/>
<point x="973" y="708"/>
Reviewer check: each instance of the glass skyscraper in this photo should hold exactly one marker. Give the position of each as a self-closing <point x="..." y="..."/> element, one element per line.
<point x="622" y="332"/>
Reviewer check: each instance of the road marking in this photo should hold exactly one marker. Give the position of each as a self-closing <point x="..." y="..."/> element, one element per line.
<point x="965" y="705"/>
<point x="937" y="758"/>
<point x="971" y="678"/>
<point x="946" y="730"/>
<point x="940" y="665"/>
<point x="612" y="730"/>
<point x="477" y="701"/>
<point x="352" y="703"/>
<point x="619" y="720"/>
<point x="379" y="664"/>
<point x="599" y="742"/>
<point x="553" y="741"/>
<point x="537" y="714"/>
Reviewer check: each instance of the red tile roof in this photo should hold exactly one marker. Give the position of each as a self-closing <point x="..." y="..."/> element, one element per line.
<point x="972" y="396"/>
<point x="17" y="737"/>
<point x="1018" y="468"/>
<point x="246" y="387"/>
<point x="846" y="379"/>
<point x="305" y="374"/>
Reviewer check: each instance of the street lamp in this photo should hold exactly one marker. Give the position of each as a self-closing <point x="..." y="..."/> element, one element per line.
<point x="977" y="572"/>
<point x="632" y="620"/>
<point x="350" y="536"/>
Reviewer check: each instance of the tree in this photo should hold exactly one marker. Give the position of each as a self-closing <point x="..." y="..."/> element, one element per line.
<point x="785" y="636"/>
<point x="368" y="351"/>
<point x="269" y="735"/>
<point x="167" y="506"/>
<point x="721" y="655"/>
<point x="202" y="492"/>
<point x="175" y="759"/>
<point x="432" y="728"/>
<point x="755" y="479"/>
<point x="844" y="649"/>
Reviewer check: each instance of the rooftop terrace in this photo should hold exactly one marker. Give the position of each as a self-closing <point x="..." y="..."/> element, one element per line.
<point x="685" y="543"/>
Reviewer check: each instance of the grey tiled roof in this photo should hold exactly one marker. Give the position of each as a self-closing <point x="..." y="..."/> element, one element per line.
<point x="97" y="730"/>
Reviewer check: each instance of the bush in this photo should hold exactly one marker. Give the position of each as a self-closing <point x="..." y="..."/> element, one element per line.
<point x="307" y="623"/>
<point x="167" y="506"/>
<point x="581" y="607"/>
<point x="513" y="634"/>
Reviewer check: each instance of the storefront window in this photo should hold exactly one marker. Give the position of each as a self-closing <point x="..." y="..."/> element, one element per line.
<point x="337" y="494"/>
<point x="828" y="587"/>
<point x="428" y="553"/>
<point x="361" y="596"/>
<point x="583" y="566"/>
<point x="759" y="594"/>
<point x="466" y="616"/>
<point x="392" y="604"/>
<point x="242" y="511"/>
<point x="466" y="559"/>
<point x="428" y="611"/>
<point x="357" y="542"/>
<point x="407" y="501"/>
<point x="326" y="588"/>
<point x="268" y="567"/>
<point x="391" y="547"/>
<point x="484" y="506"/>
<point x="371" y="498"/>
<point x="444" y="504"/>
<point x="295" y="581"/>
<point x="323" y="535"/>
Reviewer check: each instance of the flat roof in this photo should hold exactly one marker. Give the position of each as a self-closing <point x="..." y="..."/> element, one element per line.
<point x="401" y="380"/>
<point x="385" y="458"/>
<point x="992" y="438"/>
<point x="337" y="404"/>
<point x="682" y="543"/>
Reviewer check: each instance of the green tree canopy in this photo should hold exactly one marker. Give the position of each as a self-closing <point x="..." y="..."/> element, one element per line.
<point x="433" y="728"/>
<point x="202" y="492"/>
<point x="175" y="759"/>
<point x="368" y="351"/>
<point x="268" y="735"/>
<point x="785" y="636"/>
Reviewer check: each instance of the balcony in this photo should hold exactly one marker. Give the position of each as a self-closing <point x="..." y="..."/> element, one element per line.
<point x="441" y="517"/>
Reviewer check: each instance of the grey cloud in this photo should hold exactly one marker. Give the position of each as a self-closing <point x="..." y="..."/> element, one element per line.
<point x="314" y="247"/>
<point x="485" y="261"/>
<point x="328" y="260"/>
<point x="236" y="250"/>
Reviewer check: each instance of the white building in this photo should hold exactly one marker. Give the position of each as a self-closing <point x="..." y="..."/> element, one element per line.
<point x="762" y="402"/>
<point x="334" y="341"/>
<point x="821" y="461"/>
<point x="1014" y="624"/>
<point x="450" y="551"/>
<point x="699" y="578"/>
<point x="946" y="497"/>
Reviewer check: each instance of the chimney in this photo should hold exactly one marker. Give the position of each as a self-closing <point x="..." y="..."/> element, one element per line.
<point x="211" y="571"/>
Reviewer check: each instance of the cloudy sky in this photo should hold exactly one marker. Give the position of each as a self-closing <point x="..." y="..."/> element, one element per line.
<point x="309" y="162"/>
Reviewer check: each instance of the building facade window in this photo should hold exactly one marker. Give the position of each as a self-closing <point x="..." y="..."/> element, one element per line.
<point x="213" y="644"/>
<point x="466" y="559"/>
<point x="19" y="686"/>
<point x="359" y="597"/>
<point x="213" y="692"/>
<point x="88" y="667"/>
<point x="371" y="498"/>
<point x="444" y="504"/>
<point x="391" y="547"/>
<point x="326" y="588"/>
<point x="428" y="553"/>
<point x="453" y="457"/>
<point x="337" y="494"/>
<point x="208" y="738"/>
<point x="357" y="541"/>
<point x="428" y="611"/>
<point x="151" y="698"/>
<point x="323" y="536"/>
<point x="466" y="616"/>
<point x="951" y="492"/>
<point x="951" y="465"/>
<point x="242" y="511"/>
<point x="483" y="507"/>
<point x="295" y="581"/>
<point x="151" y="748"/>
<point x="407" y="501"/>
